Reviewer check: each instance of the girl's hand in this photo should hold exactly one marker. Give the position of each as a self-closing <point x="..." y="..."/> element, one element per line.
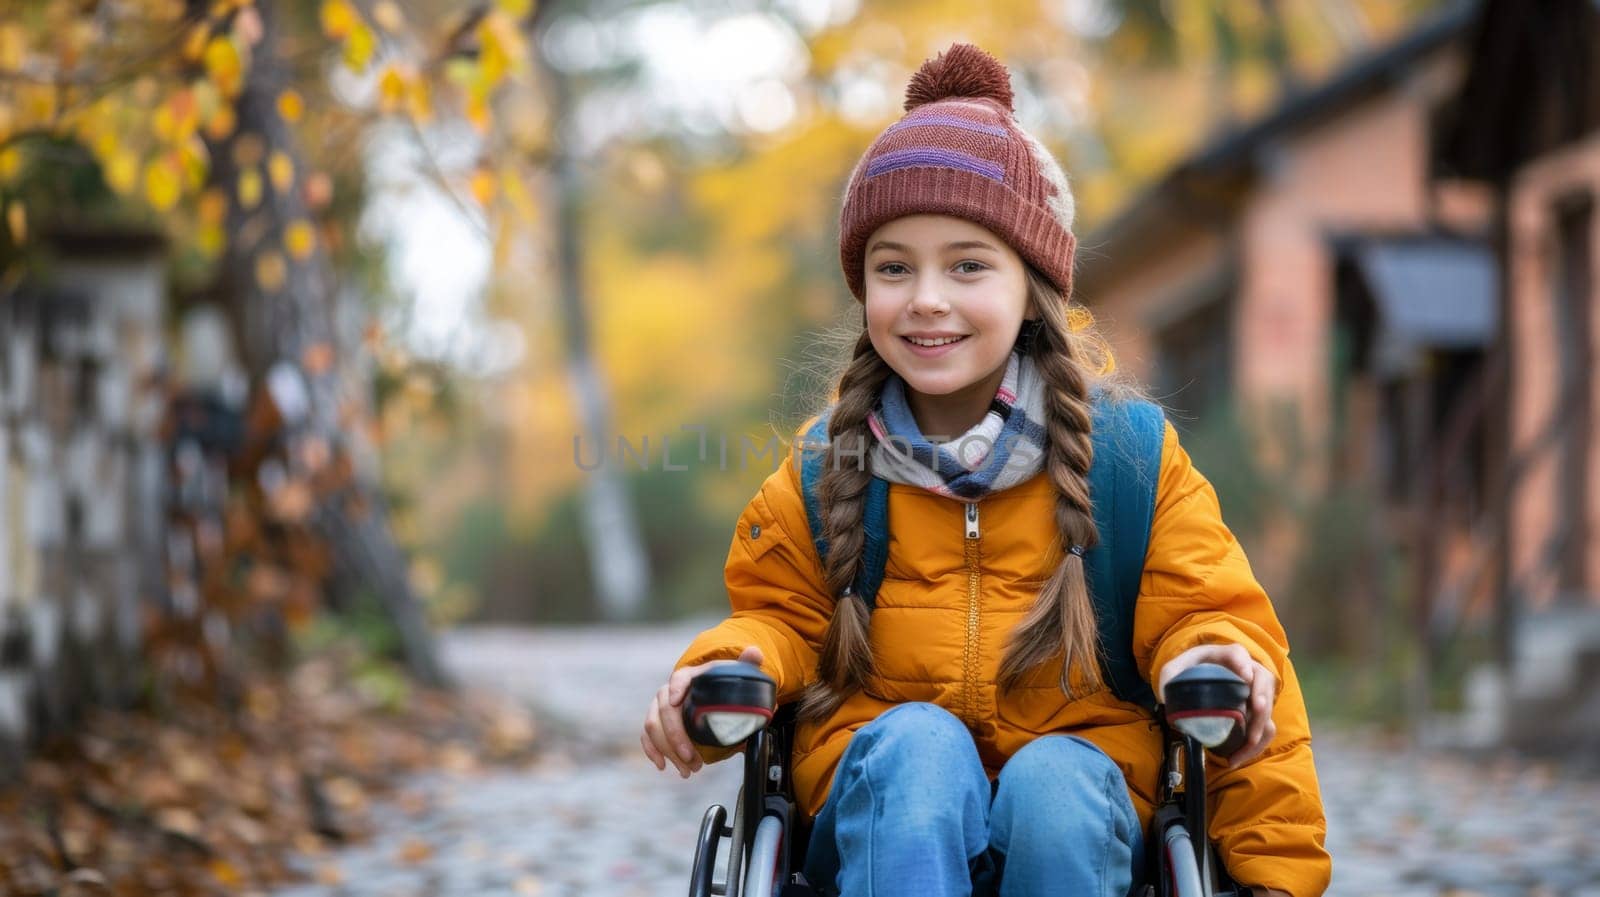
<point x="1259" y="727"/>
<point x="664" y="738"/>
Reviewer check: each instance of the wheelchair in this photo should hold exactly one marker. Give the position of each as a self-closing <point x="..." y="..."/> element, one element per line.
<point x="763" y="846"/>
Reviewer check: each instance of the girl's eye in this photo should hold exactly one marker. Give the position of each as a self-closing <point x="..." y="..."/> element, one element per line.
<point x="977" y="266"/>
<point x="884" y="268"/>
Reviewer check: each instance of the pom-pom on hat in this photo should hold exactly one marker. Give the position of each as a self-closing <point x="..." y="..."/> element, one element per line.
<point x="959" y="151"/>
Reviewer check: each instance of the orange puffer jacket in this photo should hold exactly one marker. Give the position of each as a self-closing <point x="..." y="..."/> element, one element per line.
<point x="947" y="605"/>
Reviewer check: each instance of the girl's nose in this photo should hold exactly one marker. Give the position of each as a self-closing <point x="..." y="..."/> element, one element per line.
<point x="928" y="298"/>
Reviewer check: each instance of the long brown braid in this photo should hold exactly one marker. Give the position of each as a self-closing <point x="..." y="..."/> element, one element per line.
<point x="1061" y="621"/>
<point x="845" y="663"/>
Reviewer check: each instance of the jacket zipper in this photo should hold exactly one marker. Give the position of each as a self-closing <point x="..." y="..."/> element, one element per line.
<point x="969" y="652"/>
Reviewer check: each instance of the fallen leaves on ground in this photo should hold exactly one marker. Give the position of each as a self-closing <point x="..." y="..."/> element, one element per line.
<point x="202" y="800"/>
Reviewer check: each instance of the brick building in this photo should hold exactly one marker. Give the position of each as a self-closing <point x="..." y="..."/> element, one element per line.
<point x="1400" y="261"/>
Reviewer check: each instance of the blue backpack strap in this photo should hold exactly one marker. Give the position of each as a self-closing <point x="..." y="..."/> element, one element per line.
<point x="1127" y="438"/>
<point x="875" y="516"/>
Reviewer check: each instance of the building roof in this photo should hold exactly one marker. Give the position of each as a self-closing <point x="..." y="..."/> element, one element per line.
<point x="1231" y="159"/>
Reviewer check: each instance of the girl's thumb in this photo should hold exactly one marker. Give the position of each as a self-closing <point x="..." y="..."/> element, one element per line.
<point x="751" y="654"/>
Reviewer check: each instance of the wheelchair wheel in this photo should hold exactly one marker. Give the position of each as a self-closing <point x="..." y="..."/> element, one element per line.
<point x="1182" y="870"/>
<point x="762" y="878"/>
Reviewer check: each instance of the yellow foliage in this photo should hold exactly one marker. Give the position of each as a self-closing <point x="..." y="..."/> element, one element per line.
<point x="178" y="118"/>
<point x="250" y="189"/>
<point x="290" y="105"/>
<point x="122" y="171"/>
<point x="13" y="46"/>
<point x="100" y="139"/>
<point x="300" y="239"/>
<point x="280" y="170"/>
<point x="542" y="421"/>
<point x="162" y="183"/>
<point x="477" y="110"/>
<point x="339" y="19"/>
<point x="224" y="66"/>
<point x="504" y="49"/>
<point x="483" y="186"/>
<point x="194" y="42"/>
<point x="1098" y="193"/>
<point x="493" y="63"/>
<point x="359" y="47"/>
<point x="653" y="314"/>
<point x="811" y="165"/>
<point x="391" y="88"/>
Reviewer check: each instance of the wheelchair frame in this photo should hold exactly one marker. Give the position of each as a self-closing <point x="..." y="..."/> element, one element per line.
<point x="765" y="856"/>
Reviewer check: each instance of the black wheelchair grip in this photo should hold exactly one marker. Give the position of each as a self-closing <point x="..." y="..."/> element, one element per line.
<point x="1209" y="688"/>
<point x="735" y="687"/>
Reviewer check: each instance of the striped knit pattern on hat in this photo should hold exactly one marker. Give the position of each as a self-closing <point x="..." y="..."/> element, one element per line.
<point x="959" y="151"/>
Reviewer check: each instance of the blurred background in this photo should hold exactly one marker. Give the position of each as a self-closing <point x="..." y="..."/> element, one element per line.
<point x="358" y="353"/>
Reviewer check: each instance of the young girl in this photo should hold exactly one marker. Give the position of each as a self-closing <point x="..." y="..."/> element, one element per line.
<point x="959" y="736"/>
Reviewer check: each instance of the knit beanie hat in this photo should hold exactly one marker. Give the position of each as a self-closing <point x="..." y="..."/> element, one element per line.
<point x="959" y="151"/>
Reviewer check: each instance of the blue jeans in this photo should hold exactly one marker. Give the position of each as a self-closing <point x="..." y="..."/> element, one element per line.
<point x="912" y="813"/>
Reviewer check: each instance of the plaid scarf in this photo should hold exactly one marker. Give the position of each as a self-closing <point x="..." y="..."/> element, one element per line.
<point x="1002" y="450"/>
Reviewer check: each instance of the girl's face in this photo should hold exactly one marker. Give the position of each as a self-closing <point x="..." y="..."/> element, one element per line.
<point x="933" y="277"/>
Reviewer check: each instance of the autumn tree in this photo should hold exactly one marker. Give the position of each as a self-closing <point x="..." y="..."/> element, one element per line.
<point x="192" y="111"/>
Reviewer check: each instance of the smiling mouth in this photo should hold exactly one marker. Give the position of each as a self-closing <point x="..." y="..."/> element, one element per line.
<point x="933" y="344"/>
